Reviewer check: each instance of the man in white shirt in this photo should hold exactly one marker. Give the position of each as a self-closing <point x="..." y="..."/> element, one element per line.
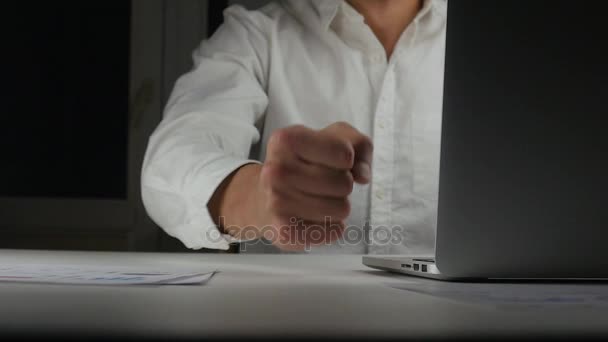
<point x="340" y="100"/>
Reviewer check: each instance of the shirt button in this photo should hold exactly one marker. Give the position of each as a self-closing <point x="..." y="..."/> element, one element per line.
<point x="381" y="124"/>
<point x="379" y="195"/>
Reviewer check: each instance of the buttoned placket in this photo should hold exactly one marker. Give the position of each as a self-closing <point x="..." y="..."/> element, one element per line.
<point x="384" y="130"/>
<point x="381" y="189"/>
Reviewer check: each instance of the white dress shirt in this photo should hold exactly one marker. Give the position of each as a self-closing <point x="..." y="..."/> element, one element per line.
<point x="312" y="62"/>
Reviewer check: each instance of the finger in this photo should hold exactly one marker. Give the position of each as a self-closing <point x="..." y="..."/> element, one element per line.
<point x="295" y="204"/>
<point x="362" y="173"/>
<point x="279" y="148"/>
<point x="312" y="179"/>
<point x="313" y="147"/>
<point x="362" y="146"/>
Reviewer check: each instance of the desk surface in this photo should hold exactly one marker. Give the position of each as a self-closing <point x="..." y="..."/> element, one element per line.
<point x="293" y="295"/>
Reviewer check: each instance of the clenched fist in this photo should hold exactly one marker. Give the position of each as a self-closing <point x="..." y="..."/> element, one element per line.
<point x="299" y="197"/>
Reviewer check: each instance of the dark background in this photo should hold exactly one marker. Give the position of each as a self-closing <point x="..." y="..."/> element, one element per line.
<point x="65" y="66"/>
<point x="65" y="124"/>
<point x="65" y="111"/>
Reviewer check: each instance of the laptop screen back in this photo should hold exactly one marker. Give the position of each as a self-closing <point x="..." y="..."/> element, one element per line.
<point x="523" y="182"/>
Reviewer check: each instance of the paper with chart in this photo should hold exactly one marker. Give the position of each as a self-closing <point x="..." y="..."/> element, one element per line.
<point x="100" y="275"/>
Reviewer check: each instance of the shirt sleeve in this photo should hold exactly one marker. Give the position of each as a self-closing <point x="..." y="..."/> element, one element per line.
<point x="208" y="128"/>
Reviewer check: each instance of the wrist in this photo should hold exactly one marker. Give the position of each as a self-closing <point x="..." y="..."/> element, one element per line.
<point x="239" y="211"/>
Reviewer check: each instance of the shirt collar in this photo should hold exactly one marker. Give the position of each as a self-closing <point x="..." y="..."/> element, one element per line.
<point x="328" y="9"/>
<point x="320" y="14"/>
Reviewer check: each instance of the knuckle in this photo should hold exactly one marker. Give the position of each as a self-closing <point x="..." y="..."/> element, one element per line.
<point x="364" y="144"/>
<point x="343" y="125"/>
<point x="279" y="139"/>
<point x="348" y="153"/>
<point x="286" y="137"/>
<point x="368" y="143"/>
<point x="297" y="128"/>
<point x="342" y="152"/>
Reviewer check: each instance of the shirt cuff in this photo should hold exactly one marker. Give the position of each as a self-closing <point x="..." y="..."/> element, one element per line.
<point x="202" y="230"/>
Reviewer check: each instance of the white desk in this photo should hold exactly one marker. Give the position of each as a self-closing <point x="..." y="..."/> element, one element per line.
<point x="282" y="296"/>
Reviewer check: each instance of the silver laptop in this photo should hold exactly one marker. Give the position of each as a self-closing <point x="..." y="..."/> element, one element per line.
<point x="524" y="174"/>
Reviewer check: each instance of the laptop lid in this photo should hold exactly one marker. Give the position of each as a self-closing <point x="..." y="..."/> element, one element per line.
<point x="523" y="164"/>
